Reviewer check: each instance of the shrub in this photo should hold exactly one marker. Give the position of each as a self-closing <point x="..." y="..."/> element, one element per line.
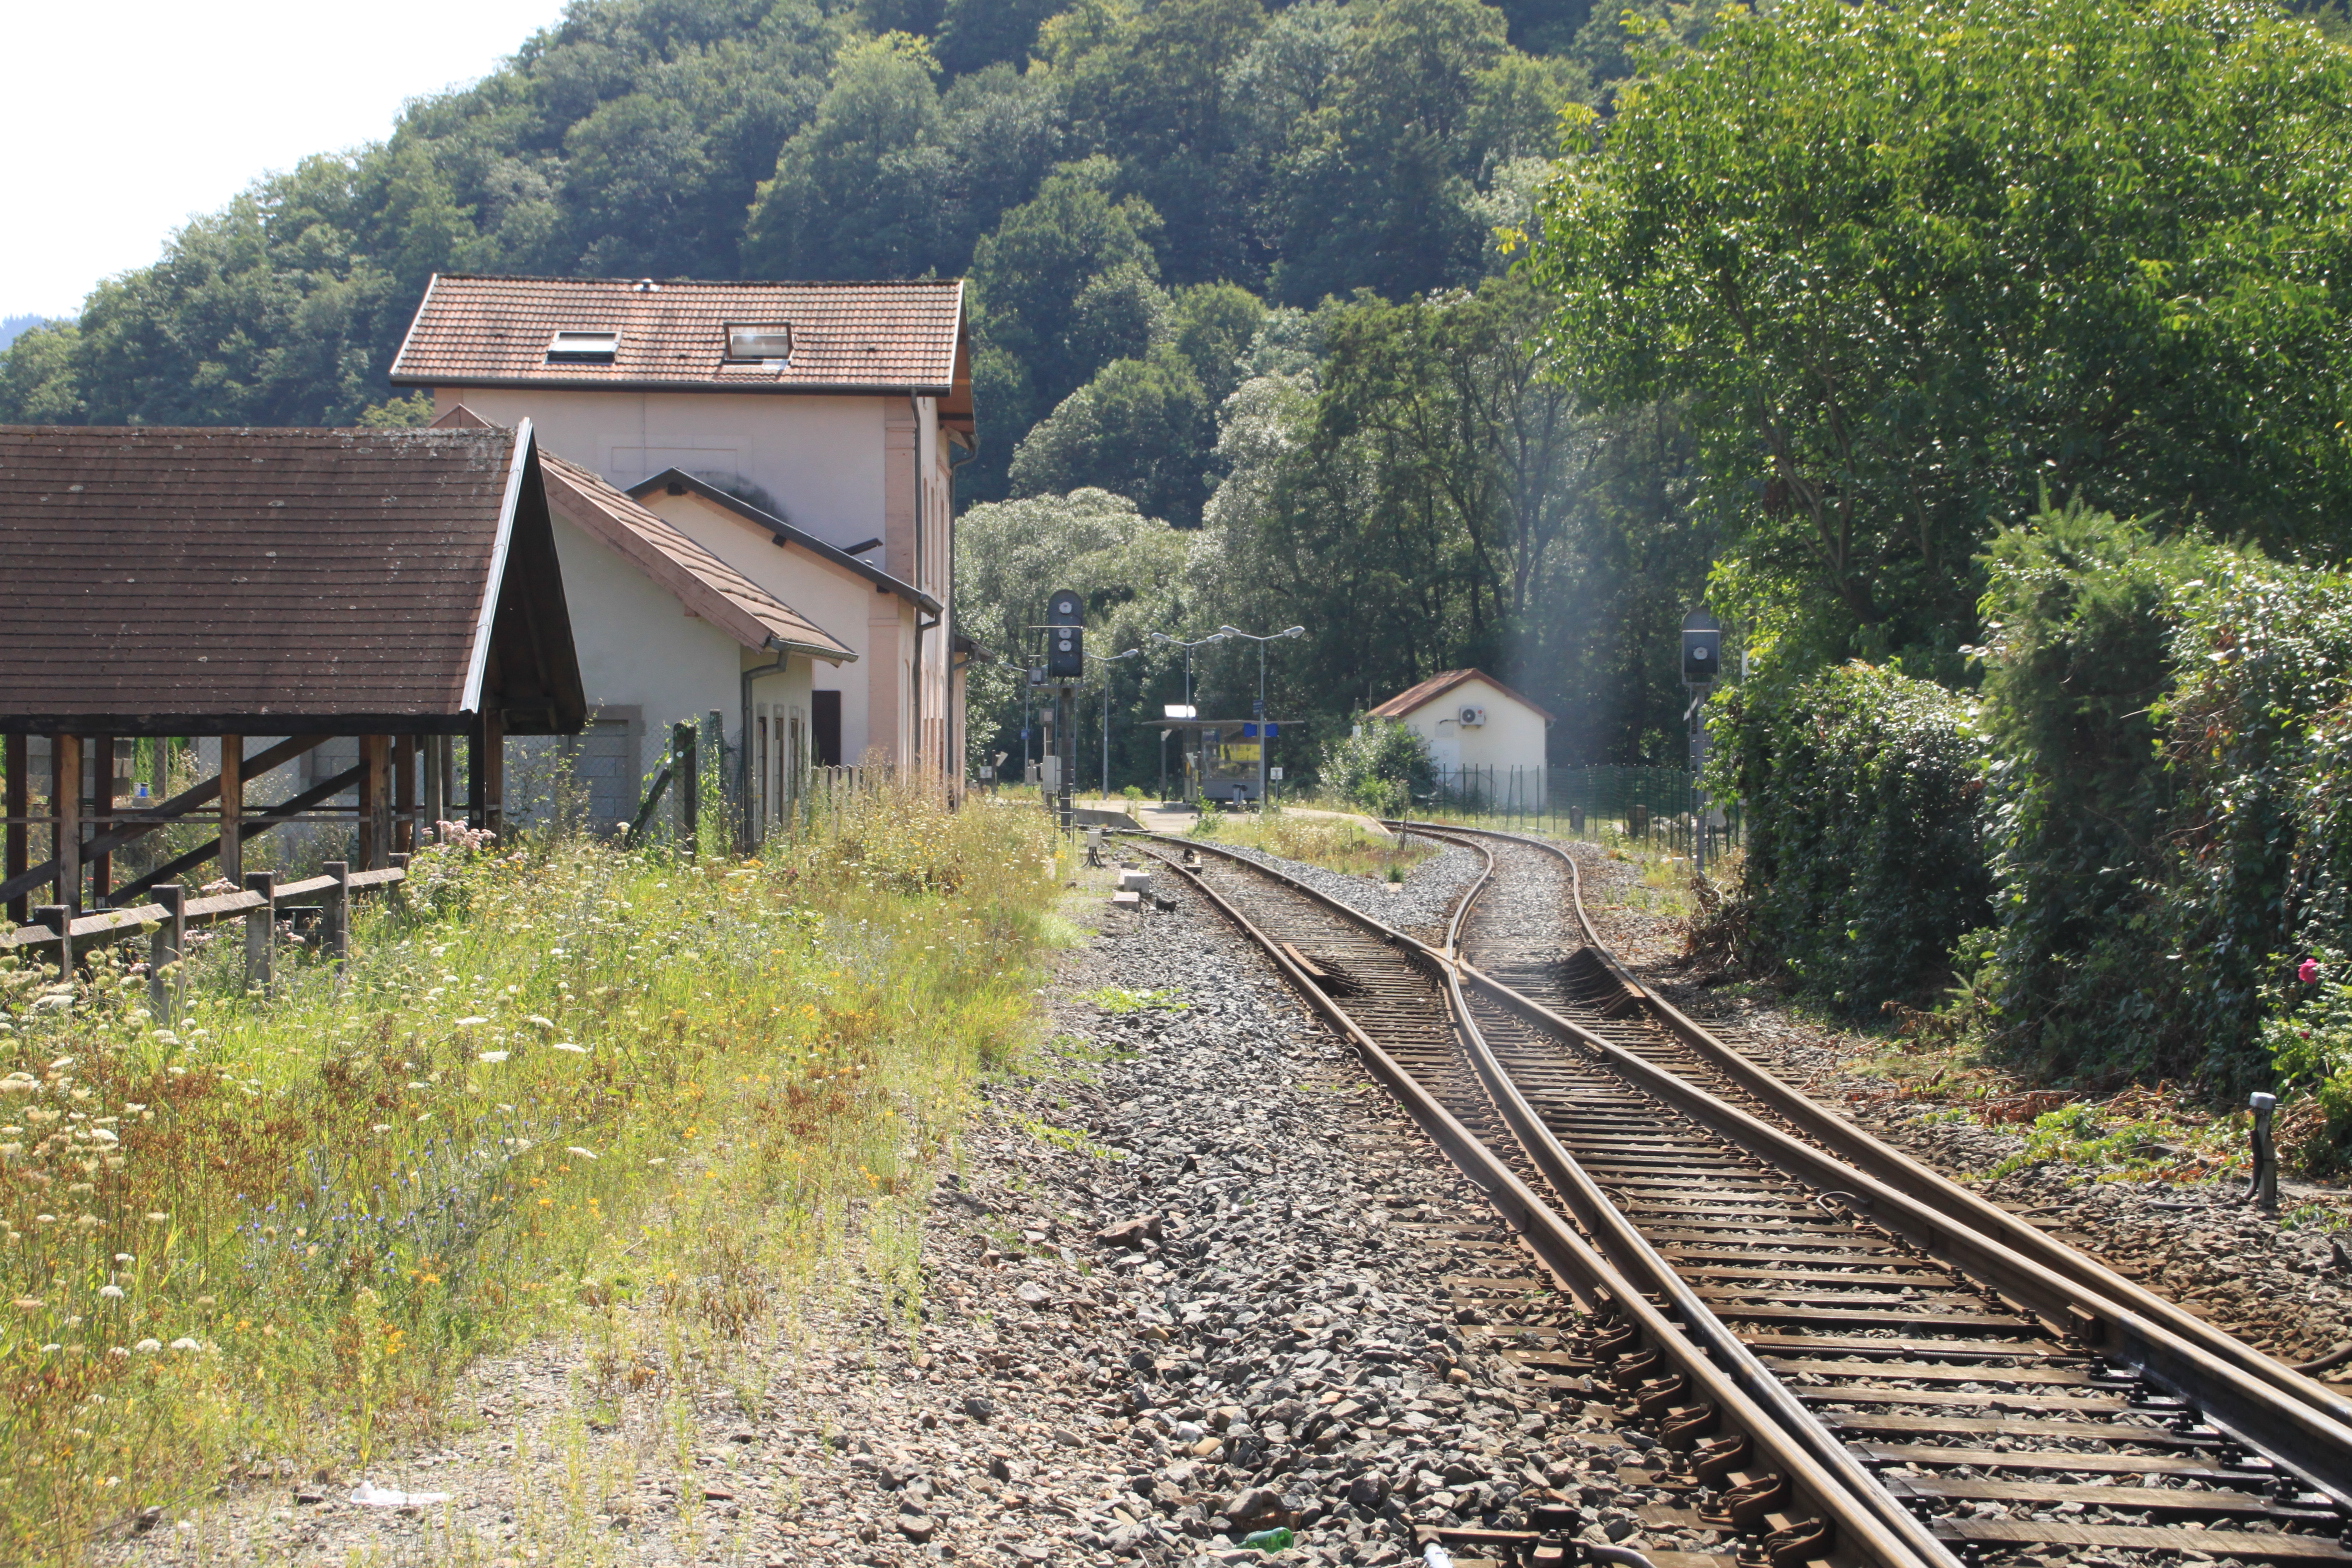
<point x="1382" y="767"/>
<point x="1864" y="864"/>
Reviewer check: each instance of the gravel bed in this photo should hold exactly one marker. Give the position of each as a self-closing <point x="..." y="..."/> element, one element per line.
<point x="1190" y="1275"/>
<point x="1420" y="905"/>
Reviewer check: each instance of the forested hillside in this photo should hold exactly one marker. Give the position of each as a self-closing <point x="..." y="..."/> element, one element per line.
<point x="1195" y="233"/>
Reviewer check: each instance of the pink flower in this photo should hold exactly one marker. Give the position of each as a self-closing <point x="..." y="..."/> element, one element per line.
<point x="2308" y="971"/>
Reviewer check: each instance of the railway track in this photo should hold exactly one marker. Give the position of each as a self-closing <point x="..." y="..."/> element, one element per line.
<point x="1843" y="1357"/>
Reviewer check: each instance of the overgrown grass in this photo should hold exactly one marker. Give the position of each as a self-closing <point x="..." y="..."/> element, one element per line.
<point x="1339" y="844"/>
<point x="268" y="1238"/>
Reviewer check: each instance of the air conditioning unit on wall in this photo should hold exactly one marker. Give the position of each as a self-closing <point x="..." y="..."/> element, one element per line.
<point x="1471" y="716"/>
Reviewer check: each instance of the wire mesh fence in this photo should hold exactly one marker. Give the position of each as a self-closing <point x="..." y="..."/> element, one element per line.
<point x="1660" y="806"/>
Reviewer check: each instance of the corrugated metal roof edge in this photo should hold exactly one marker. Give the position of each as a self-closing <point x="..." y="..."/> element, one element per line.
<point x="777" y="525"/>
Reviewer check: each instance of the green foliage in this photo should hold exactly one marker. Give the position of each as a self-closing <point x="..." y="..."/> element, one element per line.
<point x="2309" y="1044"/>
<point x="2079" y="617"/>
<point x="1864" y="863"/>
<point x="1814" y="227"/>
<point x="1133" y="429"/>
<point x="1382" y="765"/>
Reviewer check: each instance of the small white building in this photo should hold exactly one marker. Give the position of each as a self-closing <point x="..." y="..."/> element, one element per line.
<point x="1487" y="740"/>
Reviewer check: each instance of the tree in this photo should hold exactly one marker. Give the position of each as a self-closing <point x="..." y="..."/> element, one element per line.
<point x="861" y="191"/>
<point x="38" y="383"/>
<point x="1911" y="267"/>
<point x="1134" y="430"/>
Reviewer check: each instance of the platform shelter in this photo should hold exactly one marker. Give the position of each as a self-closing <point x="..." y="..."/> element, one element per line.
<point x="273" y="590"/>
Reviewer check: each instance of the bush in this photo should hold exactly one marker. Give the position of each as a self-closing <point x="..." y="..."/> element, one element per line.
<point x="1382" y="767"/>
<point x="1864" y="864"/>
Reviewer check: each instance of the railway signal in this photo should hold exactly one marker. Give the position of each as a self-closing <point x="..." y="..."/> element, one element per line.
<point x="1702" y="662"/>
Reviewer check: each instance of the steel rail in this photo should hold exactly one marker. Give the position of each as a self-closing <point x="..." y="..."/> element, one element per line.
<point x="1634" y="1255"/>
<point x="2122" y="1299"/>
<point x="1841" y="1495"/>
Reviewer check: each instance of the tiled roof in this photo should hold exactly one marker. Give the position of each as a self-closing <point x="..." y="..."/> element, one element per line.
<point x="676" y="481"/>
<point x="474" y="330"/>
<point x="702" y="582"/>
<point x="150" y="577"/>
<point x="1438" y="685"/>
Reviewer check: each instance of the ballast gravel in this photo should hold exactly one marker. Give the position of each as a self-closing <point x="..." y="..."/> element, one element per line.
<point x="1418" y="906"/>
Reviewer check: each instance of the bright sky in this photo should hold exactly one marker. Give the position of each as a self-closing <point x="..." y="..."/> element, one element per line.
<point x="124" y="120"/>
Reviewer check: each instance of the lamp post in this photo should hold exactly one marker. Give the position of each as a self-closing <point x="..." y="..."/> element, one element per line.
<point x="1263" y="749"/>
<point x="1201" y="642"/>
<point x="1109" y="658"/>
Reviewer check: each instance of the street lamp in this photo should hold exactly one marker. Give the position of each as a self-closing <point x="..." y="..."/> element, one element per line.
<point x="1263" y="748"/>
<point x="1179" y="642"/>
<point x="1108" y="658"/>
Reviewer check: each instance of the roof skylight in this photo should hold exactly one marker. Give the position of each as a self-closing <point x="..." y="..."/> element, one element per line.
<point x="759" y="341"/>
<point x="583" y="348"/>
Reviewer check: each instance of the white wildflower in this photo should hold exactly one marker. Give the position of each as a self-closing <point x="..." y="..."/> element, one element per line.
<point x="491" y="1056"/>
<point x="184" y="1343"/>
<point x="468" y="1023"/>
<point x="111" y="1292"/>
<point x="148" y="1347"/>
<point x="537" y="1021"/>
<point x="158" y="1215"/>
<point x="566" y="1045"/>
<point x="381" y="1127"/>
<point x="573" y="1148"/>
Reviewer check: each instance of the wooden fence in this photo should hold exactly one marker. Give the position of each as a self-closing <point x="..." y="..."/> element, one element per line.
<point x="166" y="920"/>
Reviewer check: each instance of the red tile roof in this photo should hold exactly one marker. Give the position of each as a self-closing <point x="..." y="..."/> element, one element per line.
<point x="701" y="581"/>
<point x="152" y="579"/>
<point x="475" y="330"/>
<point x="1438" y="685"/>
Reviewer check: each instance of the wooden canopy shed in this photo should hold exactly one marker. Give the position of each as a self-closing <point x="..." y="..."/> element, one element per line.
<point x="399" y="586"/>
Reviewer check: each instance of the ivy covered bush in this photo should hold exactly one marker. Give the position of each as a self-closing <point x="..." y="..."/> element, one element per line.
<point x="1864" y="863"/>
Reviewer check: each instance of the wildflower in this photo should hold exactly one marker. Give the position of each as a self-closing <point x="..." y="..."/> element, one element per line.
<point x="381" y="1127"/>
<point x="573" y="1148"/>
<point x="111" y="1292"/>
<point x="490" y="1056"/>
<point x="118" y="1353"/>
<point x="158" y="1215"/>
<point x="468" y="1023"/>
<point x="2308" y="971"/>
<point x="536" y="1020"/>
<point x="124" y="1257"/>
<point x="184" y="1343"/>
<point x="148" y="1347"/>
<point x="576" y="1050"/>
<point x="30" y="1303"/>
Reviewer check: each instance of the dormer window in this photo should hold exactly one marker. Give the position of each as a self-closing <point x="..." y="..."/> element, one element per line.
<point x="583" y="348"/>
<point x="758" y="342"/>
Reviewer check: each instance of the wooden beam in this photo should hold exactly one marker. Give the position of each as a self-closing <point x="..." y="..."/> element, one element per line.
<point x="19" y="807"/>
<point x="489" y="769"/>
<point x="102" y="799"/>
<point x="232" y="808"/>
<point x="375" y="801"/>
<point x="179" y="805"/>
<point x="404" y="794"/>
<point x="65" y="805"/>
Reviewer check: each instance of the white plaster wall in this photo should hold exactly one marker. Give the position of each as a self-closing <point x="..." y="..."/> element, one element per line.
<point x="836" y="599"/>
<point x="820" y="457"/>
<point x="639" y="648"/>
<point x="1511" y="737"/>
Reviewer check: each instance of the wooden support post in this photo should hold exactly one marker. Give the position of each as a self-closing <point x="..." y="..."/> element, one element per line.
<point x="337" y="919"/>
<point x="232" y="808"/>
<point x="404" y="792"/>
<point x="164" y="949"/>
<point x="685" y="779"/>
<point x="103" y="754"/>
<point x="375" y="801"/>
<point x="261" y="930"/>
<point x="20" y="832"/>
<point x="65" y="804"/>
<point x="490" y="772"/>
<point x="437" y="750"/>
<point x="59" y="919"/>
